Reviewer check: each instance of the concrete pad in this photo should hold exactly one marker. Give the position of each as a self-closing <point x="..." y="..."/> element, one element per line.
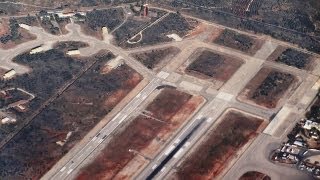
<point x="190" y="86"/>
<point x="225" y="96"/>
<point x="163" y="74"/>
<point x="211" y="91"/>
<point x="173" y="77"/>
<point x="266" y="50"/>
<point x="278" y="120"/>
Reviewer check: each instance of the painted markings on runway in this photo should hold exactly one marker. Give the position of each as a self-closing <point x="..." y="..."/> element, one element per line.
<point x="122" y="119"/>
<point x="154" y="166"/>
<point x="169" y="149"/>
<point x="69" y="171"/>
<point x="62" y="169"/>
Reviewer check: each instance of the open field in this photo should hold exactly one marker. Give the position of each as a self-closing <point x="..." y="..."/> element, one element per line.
<point x="128" y="150"/>
<point x="49" y="71"/>
<point x="208" y="64"/>
<point x="156" y="58"/>
<point x="216" y="150"/>
<point x="97" y="19"/>
<point x="254" y="175"/>
<point x="292" y="57"/>
<point x="62" y="124"/>
<point x="290" y="21"/>
<point x="171" y="24"/>
<point x="11" y="34"/>
<point x="268" y="87"/>
<point x="239" y="41"/>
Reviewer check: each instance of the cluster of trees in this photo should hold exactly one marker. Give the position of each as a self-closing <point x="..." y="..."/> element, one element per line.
<point x="294" y="58"/>
<point x="14" y="32"/>
<point x="109" y="18"/>
<point x="274" y="83"/>
<point x="235" y="40"/>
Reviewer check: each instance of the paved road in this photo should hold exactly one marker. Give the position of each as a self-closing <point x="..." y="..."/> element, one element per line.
<point x="120" y="118"/>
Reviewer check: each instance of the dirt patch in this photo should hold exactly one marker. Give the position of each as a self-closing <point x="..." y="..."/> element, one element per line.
<point x="156" y="58"/>
<point x="254" y="175"/>
<point x="120" y="158"/>
<point x="212" y="65"/>
<point x="214" y="34"/>
<point x="268" y="87"/>
<point x="239" y="41"/>
<point x="221" y="145"/>
<point x="292" y="57"/>
<point x="77" y="110"/>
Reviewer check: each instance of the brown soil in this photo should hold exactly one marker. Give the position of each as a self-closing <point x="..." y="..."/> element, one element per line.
<point x="212" y="65"/>
<point x="162" y="116"/>
<point x="4" y="28"/>
<point x="215" y="33"/>
<point x="156" y="58"/>
<point x="167" y="103"/>
<point x="25" y="36"/>
<point x="221" y="145"/>
<point x="268" y="87"/>
<point x="116" y="155"/>
<point x="198" y="30"/>
<point x="254" y="175"/>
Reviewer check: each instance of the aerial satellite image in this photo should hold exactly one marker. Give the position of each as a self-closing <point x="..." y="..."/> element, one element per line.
<point x="159" y="89"/>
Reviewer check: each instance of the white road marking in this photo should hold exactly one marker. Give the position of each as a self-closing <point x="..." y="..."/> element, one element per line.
<point x="123" y="118"/>
<point x="209" y="120"/>
<point x="187" y="144"/>
<point x="62" y="169"/>
<point x="116" y="117"/>
<point x="94" y="138"/>
<point x="144" y="97"/>
<point x="154" y="166"/>
<point x="138" y="95"/>
<point x="100" y="141"/>
<point x="178" y="153"/>
<point x="169" y="149"/>
<point x="69" y="171"/>
<point x="176" y="141"/>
